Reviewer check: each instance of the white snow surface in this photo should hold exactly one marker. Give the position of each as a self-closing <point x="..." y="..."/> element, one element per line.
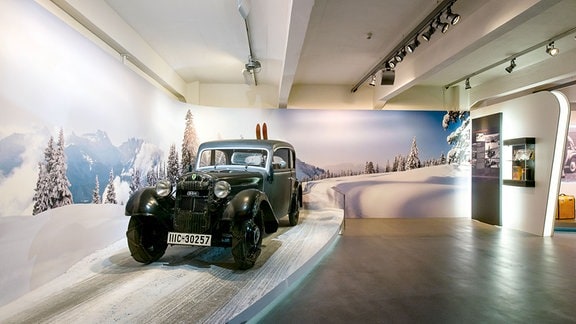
<point x="37" y="249"/>
<point x="436" y="191"/>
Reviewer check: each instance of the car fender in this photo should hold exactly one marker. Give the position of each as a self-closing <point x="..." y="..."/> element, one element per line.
<point x="246" y="204"/>
<point x="146" y="202"/>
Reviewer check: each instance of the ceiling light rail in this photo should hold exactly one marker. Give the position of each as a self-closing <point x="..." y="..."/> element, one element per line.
<point x="550" y="49"/>
<point x="425" y="29"/>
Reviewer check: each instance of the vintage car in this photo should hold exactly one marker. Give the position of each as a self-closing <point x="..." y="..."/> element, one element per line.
<point x="570" y="156"/>
<point x="237" y="192"/>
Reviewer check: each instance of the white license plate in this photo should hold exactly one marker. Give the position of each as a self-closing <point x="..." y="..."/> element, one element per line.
<point x="189" y="239"/>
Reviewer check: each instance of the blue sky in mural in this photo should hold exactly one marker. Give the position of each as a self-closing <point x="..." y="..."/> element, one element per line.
<point x="328" y="137"/>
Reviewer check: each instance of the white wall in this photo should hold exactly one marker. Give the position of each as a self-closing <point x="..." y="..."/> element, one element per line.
<point x="544" y="116"/>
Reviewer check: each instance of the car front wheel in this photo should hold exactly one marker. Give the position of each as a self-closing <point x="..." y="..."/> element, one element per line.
<point x="146" y="239"/>
<point x="246" y="243"/>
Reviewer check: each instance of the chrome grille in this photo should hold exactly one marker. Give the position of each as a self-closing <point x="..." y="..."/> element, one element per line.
<point x="189" y="222"/>
<point x="192" y="200"/>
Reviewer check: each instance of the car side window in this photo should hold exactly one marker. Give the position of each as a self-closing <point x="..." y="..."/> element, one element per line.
<point x="281" y="159"/>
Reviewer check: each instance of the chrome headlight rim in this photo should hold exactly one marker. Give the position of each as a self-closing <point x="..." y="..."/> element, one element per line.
<point x="222" y="189"/>
<point x="163" y="188"/>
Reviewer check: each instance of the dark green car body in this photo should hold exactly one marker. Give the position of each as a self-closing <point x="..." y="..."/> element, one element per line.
<point x="238" y="190"/>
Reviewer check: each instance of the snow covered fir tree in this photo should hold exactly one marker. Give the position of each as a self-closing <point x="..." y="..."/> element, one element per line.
<point x="110" y="197"/>
<point x="96" y="193"/>
<point x="172" y="169"/>
<point x="189" y="144"/>
<point x="52" y="187"/>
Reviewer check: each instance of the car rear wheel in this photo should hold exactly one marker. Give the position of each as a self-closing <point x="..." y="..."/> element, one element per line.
<point x="572" y="165"/>
<point x="246" y="243"/>
<point x="146" y="239"/>
<point x="294" y="213"/>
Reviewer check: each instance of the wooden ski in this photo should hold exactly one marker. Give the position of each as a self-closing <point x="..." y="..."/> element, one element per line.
<point x="264" y="131"/>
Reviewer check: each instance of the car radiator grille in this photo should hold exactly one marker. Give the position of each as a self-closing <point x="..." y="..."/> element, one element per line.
<point x="192" y="201"/>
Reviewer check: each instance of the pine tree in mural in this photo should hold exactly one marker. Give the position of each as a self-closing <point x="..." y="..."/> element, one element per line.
<point x="60" y="194"/>
<point x="42" y="191"/>
<point x="151" y="177"/>
<point x="172" y="172"/>
<point x="369" y="168"/>
<point x="413" y="161"/>
<point x="135" y="183"/>
<point x="41" y="197"/>
<point x="110" y="190"/>
<point x="189" y="144"/>
<point x="96" y="192"/>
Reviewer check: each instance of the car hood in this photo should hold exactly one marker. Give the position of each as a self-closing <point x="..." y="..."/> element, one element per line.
<point x="238" y="179"/>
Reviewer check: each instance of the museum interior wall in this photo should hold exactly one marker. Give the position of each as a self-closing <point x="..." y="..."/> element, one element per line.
<point x="545" y="117"/>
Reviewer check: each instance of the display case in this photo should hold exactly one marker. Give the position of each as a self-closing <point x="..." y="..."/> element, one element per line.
<point x="519" y="162"/>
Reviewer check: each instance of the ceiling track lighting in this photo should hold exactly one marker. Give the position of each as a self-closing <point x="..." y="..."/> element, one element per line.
<point x="551" y="50"/>
<point x="512" y="65"/>
<point x="549" y="41"/>
<point x="408" y="45"/>
<point x="467" y="84"/>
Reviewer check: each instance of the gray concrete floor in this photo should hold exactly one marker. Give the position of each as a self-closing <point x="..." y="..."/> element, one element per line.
<point x="435" y="271"/>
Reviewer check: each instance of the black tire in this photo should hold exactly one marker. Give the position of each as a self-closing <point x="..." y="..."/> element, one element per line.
<point x="246" y="243"/>
<point x="146" y="239"/>
<point x="294" y="214"/>
<point x="572" y="165"/>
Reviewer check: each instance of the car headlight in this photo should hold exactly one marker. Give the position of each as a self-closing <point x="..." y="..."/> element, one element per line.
<point x="163" y="188"/>
<point x="221" y="189"/>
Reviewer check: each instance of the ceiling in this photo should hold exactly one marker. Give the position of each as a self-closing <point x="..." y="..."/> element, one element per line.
<point x="330" y="42"/>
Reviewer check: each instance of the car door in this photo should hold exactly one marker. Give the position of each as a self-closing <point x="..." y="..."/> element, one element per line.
<point x="280" y="190"/>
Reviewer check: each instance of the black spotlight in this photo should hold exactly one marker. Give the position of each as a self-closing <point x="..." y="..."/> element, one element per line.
<point x="428" y="33"/>
<point x="410" y="47"/>
<point x="452" y="18"/>
<point x="391" y="64"/>
<point x="400" y="56"/>
<point x="467" y="84"/>
<point x="512" y="65"/>
<point x="442" y="25"/>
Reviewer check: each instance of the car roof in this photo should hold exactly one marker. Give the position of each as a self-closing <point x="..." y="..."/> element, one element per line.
<point x="251" y="143"/>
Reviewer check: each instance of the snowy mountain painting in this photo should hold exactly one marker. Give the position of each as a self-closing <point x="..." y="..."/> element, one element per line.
<point x="391" y="142"/>
<point x="118" y="127"/>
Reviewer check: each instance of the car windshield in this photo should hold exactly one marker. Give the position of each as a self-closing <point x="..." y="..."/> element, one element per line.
<point x="216" y="157"/>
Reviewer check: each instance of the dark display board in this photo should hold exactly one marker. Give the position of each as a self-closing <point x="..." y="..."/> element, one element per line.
<point x="486" y="152"/>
